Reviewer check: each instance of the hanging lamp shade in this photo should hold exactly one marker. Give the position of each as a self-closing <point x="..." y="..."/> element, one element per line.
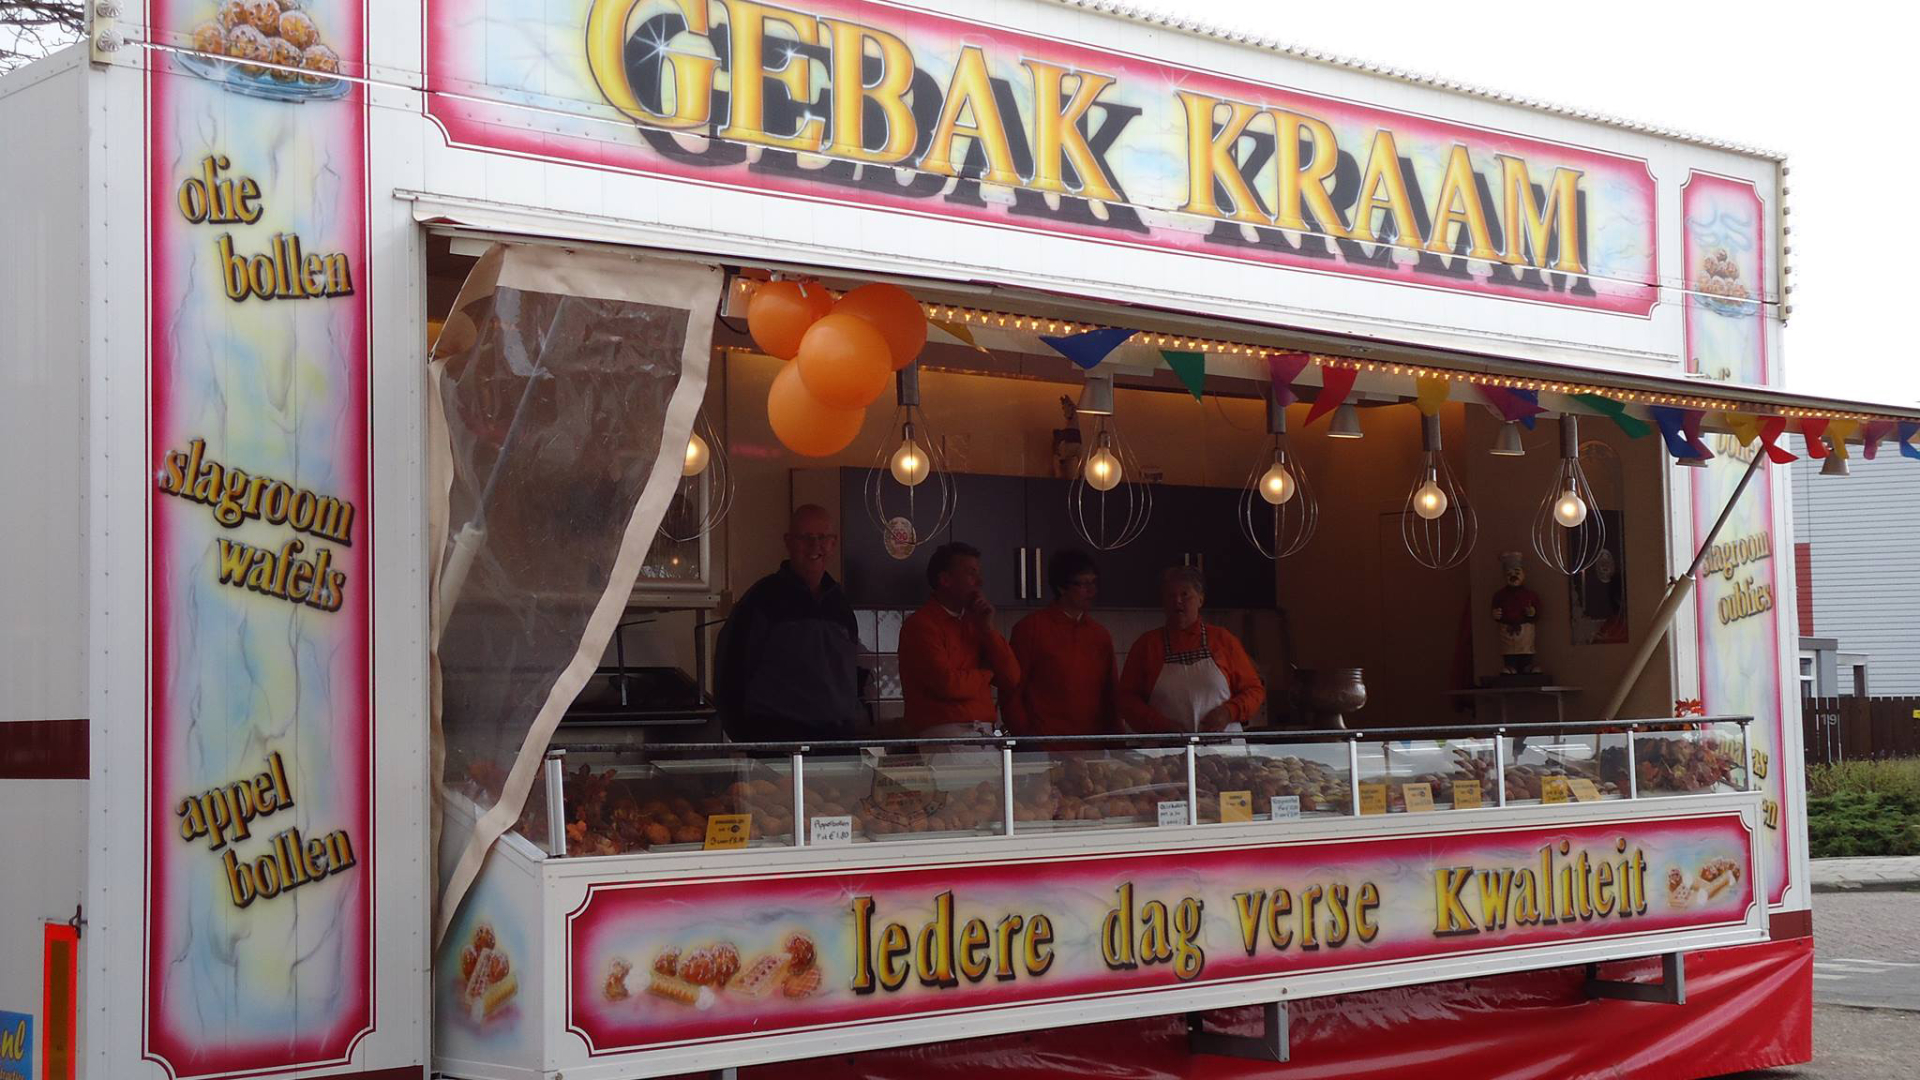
<point x="1345" y="423"/>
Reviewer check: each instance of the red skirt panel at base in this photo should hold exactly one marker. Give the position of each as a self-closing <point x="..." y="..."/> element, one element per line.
<point x="1748" y="1007"/>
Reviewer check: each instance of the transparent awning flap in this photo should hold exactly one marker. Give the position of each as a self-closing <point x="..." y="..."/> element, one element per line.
<point x="561" y="392"/>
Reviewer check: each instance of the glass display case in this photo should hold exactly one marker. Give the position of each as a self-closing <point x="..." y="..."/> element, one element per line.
<point x="617" y="799"/>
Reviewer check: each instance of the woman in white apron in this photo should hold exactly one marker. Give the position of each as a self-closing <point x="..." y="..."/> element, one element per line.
<point x="1188" y="675"/>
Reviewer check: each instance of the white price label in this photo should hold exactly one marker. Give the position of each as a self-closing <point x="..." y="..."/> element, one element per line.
<point x="1286" y="807"/>
<point x="1173" y="812"/>
<point x="822" y="831"/>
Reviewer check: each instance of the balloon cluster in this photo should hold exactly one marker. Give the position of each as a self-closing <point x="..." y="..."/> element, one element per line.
<point x="840" y="356"/>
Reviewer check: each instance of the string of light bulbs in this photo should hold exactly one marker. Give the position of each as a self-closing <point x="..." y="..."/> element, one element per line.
<point x="990" y="318"/>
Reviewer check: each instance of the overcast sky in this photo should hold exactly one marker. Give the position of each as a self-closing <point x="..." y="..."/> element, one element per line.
<point x="1813" y="82"/>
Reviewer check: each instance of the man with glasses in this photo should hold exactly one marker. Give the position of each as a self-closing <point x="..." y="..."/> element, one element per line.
<point x="787" y="663"/>
<point x="1066" y="658"/>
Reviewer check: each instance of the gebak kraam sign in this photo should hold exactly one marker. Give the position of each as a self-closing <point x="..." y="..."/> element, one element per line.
<point x="675" y="962"/>
<point x="864" y="103"/>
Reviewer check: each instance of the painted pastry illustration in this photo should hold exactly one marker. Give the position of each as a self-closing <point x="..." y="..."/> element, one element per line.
<point x="281" y="50"/>
<point x="1705" y="886"/>
<point x="705" y="975"/>
<point x="1718" y="279"/>
<point x="487" y="979"/>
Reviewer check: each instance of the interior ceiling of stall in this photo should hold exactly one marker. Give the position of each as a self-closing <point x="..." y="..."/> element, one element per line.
<point x="1006" y="325"/>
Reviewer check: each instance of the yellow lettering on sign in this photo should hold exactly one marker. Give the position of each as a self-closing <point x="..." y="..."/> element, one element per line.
<point x="851" y="93"/>
<point x="1059" y="133"/>
<point x="1458" y="209"/>
<point x="692" y="79"/>
<point x="1531" y="228"/>
<point x="1383" y="171"/>
<point x="971" y="94"/>
<point x="1210" y="159"/>
<point x="1307" y="184"/>
<point x="748" y="28"/>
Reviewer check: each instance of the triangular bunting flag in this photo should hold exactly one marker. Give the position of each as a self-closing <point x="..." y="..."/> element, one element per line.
<point x="959" y="330"/>
<point x="1770" y="431"/>
<point x="1811" y="428"/>
<point x="1431" y="394"/>
<point x="1191" y="367"/>
<point x="1690" y="422"/>
<point x="1745" y="428"/>
<point x="1838" y="432"/>
<point x="1089" y="347"/>
<point x="1872" y="434"/>
<point x="1336" y="383"/>
<point x="1631" y="426"/>
<point x="1514" y="405"/>
<point x="1283" y="368"/>
<point x="1673" y="428"/>
<point x="1906" y="433"/>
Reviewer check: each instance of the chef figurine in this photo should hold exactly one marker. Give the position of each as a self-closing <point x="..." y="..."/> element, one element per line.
<point x="1515" y="608"/>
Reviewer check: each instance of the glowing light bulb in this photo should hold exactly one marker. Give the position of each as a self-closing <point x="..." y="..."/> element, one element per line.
<point x="697" y="455"/>
<point x="1429" y="502"/>
<point x="1103" y="470"/>
<point x="1277" y="485"/>
<point x="1571" y="510"/>
<point x="909" y="464"/>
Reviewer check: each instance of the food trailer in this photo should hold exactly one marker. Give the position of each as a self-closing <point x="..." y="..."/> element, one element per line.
<point x="405" y="393"/>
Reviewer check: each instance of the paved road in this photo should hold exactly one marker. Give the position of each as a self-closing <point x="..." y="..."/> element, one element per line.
<point x="1866" y="950"/>
<point x="1866" y="989"/>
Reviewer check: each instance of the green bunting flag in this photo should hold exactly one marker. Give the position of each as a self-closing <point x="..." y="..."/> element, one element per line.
<point x="1632" y="427"/>
<point x="1191" y="367"/>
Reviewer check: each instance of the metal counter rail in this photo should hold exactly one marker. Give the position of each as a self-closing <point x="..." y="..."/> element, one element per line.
<point x="1004" y="747"/>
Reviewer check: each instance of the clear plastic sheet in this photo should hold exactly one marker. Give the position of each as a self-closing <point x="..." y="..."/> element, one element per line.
<point x="563" y="388"/>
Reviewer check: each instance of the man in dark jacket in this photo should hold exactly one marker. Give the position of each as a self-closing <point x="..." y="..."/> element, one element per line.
<point x="788" y="658"/>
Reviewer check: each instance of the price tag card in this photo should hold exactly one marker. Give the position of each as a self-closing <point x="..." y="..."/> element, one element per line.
<point x="1553" y="789"/>
<point x="1236" y="806"/>
<point x="1173" y="812"/>
<point x="1466" y="795"/>
<point x="728" y="831"/>
<point x="1583" y="790"/>
<point x="1373" y="798"/>
<point x="828" y="831"/>
<point x="1419" y="798"/>
<point x="1286" y="807"/>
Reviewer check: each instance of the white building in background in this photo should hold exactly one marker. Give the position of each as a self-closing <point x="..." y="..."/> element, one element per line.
<point x="1856" y="540"/>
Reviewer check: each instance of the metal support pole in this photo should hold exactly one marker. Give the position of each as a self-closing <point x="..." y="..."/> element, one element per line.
<point x="799" y="799"/>
<point x="1193" y="796"/>
<point x="1500" y="767"/>
<point x="554" y="771"/>
<point x="1633" y="765"/>
<point x="1353" y="774"/>
<point x="1006" y="787"/>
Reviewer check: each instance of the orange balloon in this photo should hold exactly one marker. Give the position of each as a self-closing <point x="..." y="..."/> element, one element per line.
<point x="805" y="426"/>
<point x="844" y="362"/>
<point x="780" y="312"/>
<point x="895" y="313"/>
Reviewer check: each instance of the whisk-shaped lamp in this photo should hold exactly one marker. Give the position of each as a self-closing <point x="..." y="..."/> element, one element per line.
<point x="1278" y="511"/>
<point x="1439" y="526"/>
<point x="1568" y="533"/>
<point x="1109" y="502"/>
<point x="910" y="494"/>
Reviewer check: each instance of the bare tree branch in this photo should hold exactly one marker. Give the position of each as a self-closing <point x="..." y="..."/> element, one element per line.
<point x="30" y="29"/>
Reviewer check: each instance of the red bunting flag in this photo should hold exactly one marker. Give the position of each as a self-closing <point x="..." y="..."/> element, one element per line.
<point x="1770" y="431"/>
<point x="1811" y="428"/>
<point x="1335" y="384"/>
<point x="1873" y="433"/>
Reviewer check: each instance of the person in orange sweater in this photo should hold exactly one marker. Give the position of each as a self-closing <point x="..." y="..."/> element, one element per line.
<point x="1188" y="675"/>
<point x="1066" y="659"/>
<point x="951" y="657"/>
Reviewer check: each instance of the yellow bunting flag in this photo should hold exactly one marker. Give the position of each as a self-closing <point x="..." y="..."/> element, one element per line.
<point x="959" y="330"/>
<point x="1432" y="394"/>
<point x="1745" y="428"/>
<point x="1838" y="432"/>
